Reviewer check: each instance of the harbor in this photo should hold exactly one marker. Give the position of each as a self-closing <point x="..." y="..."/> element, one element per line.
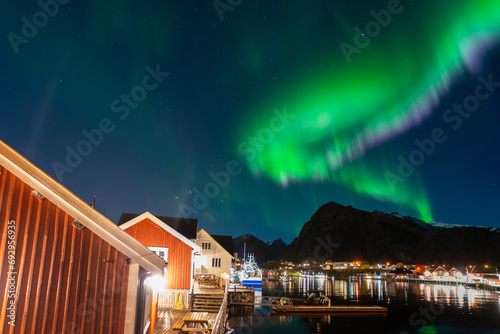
<point x="390" y="305"/>
<point x="215" y="301"/>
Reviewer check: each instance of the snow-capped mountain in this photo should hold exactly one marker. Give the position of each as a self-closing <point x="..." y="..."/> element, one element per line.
<point x="440" y="225"/>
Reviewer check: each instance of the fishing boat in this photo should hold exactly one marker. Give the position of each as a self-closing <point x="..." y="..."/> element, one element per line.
<point x="234" y="277"/>
<point x="250" y="273"/>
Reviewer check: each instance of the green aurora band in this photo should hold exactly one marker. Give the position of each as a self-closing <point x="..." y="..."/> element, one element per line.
<point x="391" y="86"/>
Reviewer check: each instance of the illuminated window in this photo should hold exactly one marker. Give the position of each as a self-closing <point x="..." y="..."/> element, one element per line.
<point x="161" y="252"/>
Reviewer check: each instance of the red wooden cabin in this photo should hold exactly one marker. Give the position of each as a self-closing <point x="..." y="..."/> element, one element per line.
<point x="455" y="272"/>
<point x="177" y="249"/>
<point x="64" y="267"/>
<point x="439" y="271"/>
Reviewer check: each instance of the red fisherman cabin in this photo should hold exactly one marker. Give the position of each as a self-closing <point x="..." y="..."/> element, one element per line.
<point x="65" y="267"/>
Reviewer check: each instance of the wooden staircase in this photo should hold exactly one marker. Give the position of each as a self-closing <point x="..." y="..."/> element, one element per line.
<point x="210" y="303"/>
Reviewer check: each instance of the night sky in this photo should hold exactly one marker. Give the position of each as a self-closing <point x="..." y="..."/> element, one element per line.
<point x="249" y="115"/>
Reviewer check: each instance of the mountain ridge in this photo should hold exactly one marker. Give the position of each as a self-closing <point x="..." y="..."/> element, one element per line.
<point x="343" y="233"/>
<point x="263" y="251"/>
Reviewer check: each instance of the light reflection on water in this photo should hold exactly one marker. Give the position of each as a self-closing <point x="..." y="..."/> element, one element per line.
<point x="356" y="290"/>
<point x="461" y="309"/>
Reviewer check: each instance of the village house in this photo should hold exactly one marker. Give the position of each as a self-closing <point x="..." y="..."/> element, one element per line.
<point x="339" y="265"/>
<point x="327" y="265"/>
<point x="216" y="253"/>
<point x="65" y="267"/>
<point x="455" y="272"/>
<point x="439" y="271"/>
<point x="172" y="239"/>
<point x="305" y="264"/>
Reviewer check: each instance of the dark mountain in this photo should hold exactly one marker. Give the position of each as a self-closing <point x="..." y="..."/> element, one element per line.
<point x="263" y="251"/>
<point x="275" y="248"/>
<point x="341" y="233"/>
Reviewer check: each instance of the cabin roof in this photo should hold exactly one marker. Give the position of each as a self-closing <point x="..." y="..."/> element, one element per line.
<point x="79" y="209"/>
<point x="162" y="225"/>
<point x="224" y="241"/>
<point x="439" y="269"/>
<point x="185" y="226"/>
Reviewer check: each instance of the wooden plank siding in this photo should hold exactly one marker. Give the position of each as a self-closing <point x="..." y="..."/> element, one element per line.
<point x="179" y="254"/>
<point x="67" y="280"/>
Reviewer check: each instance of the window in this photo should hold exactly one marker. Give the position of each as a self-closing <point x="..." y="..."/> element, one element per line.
<point x="161" y="252"/>
<point x="205" y="245"/>
<point x="216" y="262"/>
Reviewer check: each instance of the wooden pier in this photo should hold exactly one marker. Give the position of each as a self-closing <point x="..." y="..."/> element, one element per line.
<point x="172" y="321"/>
<point x="240" y="295"/>
<point x="207" y="296"/>
<point x="266" y="301"/>
<point x="207" y="313"/>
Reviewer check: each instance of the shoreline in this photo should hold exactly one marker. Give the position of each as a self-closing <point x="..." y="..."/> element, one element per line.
<point x="476" y="284"/>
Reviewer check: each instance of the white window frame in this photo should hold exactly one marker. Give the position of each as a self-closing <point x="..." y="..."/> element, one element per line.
<point x="157" y="251"/>
<point x="216" y="262"/>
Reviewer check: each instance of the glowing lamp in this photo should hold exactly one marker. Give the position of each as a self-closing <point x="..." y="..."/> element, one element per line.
<point x="157" y="282"/>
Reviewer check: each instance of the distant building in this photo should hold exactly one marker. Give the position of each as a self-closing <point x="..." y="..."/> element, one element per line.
<point x="272" y="275"/>
<point x="439" y="271"/>
<point x="216" y="253"/>
<point x="363" y="265"/>
<point x="340" y="265"/>
<point x="455" y="272"/>
<point x="71" y="269"/>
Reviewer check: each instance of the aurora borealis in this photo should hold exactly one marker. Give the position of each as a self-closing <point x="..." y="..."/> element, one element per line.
<point x="341" y="115"/>
<point x="353" y="116"/>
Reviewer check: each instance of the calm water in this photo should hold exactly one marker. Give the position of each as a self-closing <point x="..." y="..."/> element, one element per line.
<point x="413" y="308"/>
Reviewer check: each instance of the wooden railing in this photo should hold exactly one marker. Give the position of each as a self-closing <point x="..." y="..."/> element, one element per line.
<point x="217" y="279"/>
<point x="167" y="298"/>
<point x="220" y="322"/>
<point x="222" y="281"/>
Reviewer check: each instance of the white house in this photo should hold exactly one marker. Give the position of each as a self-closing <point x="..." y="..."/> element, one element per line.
<point x="216" y="253"/>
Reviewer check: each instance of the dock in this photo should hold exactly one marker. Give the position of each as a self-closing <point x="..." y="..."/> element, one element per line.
<point x="207" y="312"/>
<point x="168" y="321"/>
<point x="240" y="295"/>
<point x="346" y="309"/>
<point x="207" y="296"/>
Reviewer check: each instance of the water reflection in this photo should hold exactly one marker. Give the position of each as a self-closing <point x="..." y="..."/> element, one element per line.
<point x="413" y="308"/>
<point x="370" y="290"/>
<point x="456" y="296"/>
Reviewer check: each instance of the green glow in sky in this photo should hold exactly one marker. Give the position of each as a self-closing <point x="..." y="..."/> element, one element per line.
<point x="392" y="86"/>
